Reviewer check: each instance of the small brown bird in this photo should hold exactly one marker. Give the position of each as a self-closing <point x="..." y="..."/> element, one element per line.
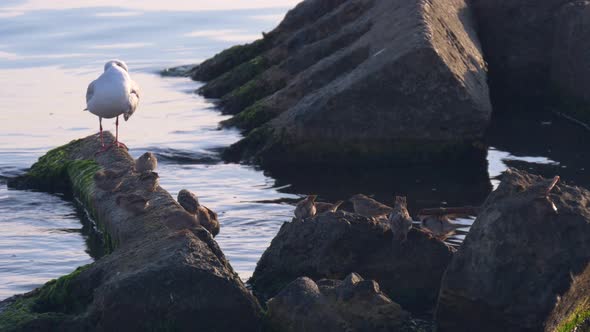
<point x="133" y="203"/>
<point x="368" y="207"/>
<point x="108" y="180"/>
<point x="322" y="207"/>
<point x="149" y="181"/>
<point x="180" y="219"/>
<point x="399" y="219"/>
<point x="306" y="208"/>
<point x="147" y="162"/>
<point x="439" y="225"/>
<point x="206" y="217"/>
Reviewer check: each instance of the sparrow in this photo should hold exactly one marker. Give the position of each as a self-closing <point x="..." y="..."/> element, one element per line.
<point x="399" y="219"/>
<point x="306" y="208"/>
<point x="368" y="207"/>
<point x="133" y="203"/>
<point x="206" y="217"/>
<point x="322" y="207"/>
<point x="147" y="162"/>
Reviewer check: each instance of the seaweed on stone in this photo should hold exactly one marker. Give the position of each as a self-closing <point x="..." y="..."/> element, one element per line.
<point x="234" y="78"/>
<point x="228" y="59"/>
<point x="49" y="306"/>
<point x="251" y="118"/>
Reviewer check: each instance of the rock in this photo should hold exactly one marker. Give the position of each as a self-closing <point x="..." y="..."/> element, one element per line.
<point x="538" y="54"/>
<point x="570" y="68"/>
<point x="164" y="271"/>
<point x="341" y="83"/>
<point x="524" y="266"/>
<point x="333" y="305"/>
<point x="180" y="71"/>
<point x="333" y="245"/>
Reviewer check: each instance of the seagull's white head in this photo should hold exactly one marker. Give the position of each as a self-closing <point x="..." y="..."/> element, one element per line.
<point x="116" y="63"/>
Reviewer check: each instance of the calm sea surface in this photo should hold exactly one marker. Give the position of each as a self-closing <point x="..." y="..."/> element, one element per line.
<point x="51" y="50"/>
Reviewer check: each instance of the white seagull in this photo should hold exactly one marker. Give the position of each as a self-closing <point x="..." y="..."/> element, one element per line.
<point x="113" y="93"/>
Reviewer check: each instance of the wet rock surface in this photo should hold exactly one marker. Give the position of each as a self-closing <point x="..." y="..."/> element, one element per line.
<point x="353" y="304"/>
<point x="524" y="263"/>
<point x="164" y="271"/>
<point x="333" y="245"/>
<point x="537" y="54"/>
<point x="321" y="79"/>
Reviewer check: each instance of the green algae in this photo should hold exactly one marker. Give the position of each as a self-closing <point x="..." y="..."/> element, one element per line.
<point x="61" y="295"/>
<point x="81" y="176"/>
<point x="250" y="93"/>
<point x="252" y="117"/>
<point x="270" y="147"/>
<point x="228" y="59"/>
<point x="53" y="302"/>
<point x="235" y="77"/>
<point x="575" y="319"/>
<point x="49" y="173"/>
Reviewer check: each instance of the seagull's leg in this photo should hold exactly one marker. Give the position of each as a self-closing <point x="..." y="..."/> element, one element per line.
<point x="103" y="148"/>
<point x="100" y="126"/>
<point x="117" y="143"/>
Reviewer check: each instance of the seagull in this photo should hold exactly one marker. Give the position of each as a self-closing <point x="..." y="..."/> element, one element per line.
<point x="113" y="93"/>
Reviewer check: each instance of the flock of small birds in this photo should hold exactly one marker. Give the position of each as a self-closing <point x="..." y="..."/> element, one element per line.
<point x="145" y="168"/>
<point x="397" y="217"/>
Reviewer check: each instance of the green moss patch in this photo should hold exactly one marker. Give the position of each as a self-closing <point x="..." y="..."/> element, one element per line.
<point x="271" y="147"/>
<point x="228" y="59"/>
<point x="63" y="295"/>
<point x="575" y="319"/>
<point x="250" y="93"/>
<point x="49" y="305"/>
<point x="49" y="173"/>
<point x="235" y="77"/>
<point x="251" y="118"/>
<point x="81" y="175"/>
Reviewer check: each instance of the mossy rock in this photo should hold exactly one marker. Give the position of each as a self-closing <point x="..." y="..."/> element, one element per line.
<point x="579" y="320"/>
<point x="49" y="307"/>
<point x="234" y="78"/>
<point x="180" y="71"/>
<point x="271" y="147"/>
<point x="228" y="59"/>
<point x="249" y="93"/>
<point x="251" y="118"/>
<point x="54" y="171"/>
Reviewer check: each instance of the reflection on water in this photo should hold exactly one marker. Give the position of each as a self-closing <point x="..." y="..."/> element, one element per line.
<point x="47" y="58"/>
<point x="39" y="231"/>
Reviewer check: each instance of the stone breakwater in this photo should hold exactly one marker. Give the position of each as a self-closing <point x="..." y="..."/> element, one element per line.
<point x="393" y="81"/>
<point x="350" y="81"/>
<point x="163" y="271"/>
<point x="522" y="267"/>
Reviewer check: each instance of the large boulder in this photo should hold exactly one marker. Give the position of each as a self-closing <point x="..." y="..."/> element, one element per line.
<point x="537" y="51"/>
<point x="524" y="266"/>
<point x="389" y="80"/>
<point x="164" y="271"/>
<point x="333" y="245"/>
<point x="333" y="305"/>
<point x="570" y="65"/>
